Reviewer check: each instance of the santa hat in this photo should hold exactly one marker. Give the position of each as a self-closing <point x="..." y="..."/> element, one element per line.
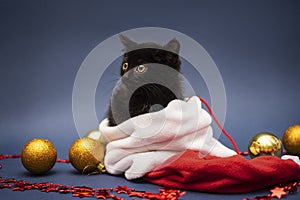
<point x="175" y="147"/>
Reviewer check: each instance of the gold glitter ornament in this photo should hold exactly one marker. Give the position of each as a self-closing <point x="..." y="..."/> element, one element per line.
<point x="86" y="155"/>
<point x="265" y="144"/>
<point x="38" y="156"/>
<point x="291" y="140"/>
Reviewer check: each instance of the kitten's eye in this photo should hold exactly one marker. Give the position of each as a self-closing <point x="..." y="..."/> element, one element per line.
<point x="125" y="66"/>
<point x="141" y="68"/>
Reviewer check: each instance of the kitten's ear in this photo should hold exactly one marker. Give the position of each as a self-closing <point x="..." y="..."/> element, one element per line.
<point x="173" y="46"/>
<point x="128" y="43"/>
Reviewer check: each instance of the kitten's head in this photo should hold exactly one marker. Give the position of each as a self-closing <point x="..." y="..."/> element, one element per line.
<point x="150" y="79"/>
<point x="137" y="54"/>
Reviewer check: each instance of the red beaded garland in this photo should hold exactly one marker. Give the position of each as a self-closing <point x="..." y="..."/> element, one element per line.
<point x="83" y="191"/>
<point x="8" y="156"/>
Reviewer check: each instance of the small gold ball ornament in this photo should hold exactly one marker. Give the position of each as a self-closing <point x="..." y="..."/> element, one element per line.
<point x="86" y="155"/>
<point x="38" y="156"/>
<point x="265" y="144"/>
<point x="291" y="140"/>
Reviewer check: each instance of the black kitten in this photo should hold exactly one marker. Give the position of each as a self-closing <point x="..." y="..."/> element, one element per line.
<point x="150" y="79"/>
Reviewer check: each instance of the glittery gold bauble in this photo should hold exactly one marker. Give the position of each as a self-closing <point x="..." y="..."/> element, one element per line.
<point x="265" y="144"/>
<point x="291" y="140"/>
<point x="38" y="156"/>
<point x="86" y="155"/>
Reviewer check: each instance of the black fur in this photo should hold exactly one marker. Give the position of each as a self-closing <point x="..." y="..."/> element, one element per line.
<point x="141" y="100"/>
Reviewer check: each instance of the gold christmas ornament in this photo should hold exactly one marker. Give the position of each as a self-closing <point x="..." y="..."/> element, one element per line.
<point x="265" y="144"/>
<point x="38" y="156"/>
<point x="291" y="140"/>
<point x="86" y="155"/>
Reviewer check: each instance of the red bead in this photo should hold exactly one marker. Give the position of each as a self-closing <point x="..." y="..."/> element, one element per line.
<point x="102" y="194"/>
<point x="16" y="156"/>
<point x="62" y="161"/>
<point x="11" y="180"/>
<point x="136" y="194"/>
<point x="5" y="185"/>
<point x="83" y="194"/>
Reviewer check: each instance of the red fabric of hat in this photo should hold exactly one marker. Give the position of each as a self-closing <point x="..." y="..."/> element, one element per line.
<point x="234" y="174"/>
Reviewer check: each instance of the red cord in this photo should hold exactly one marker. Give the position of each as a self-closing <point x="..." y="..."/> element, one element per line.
<point x="220" y="126"/>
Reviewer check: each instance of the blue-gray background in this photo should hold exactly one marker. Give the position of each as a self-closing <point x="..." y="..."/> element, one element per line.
<point x="255" y="45"/>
